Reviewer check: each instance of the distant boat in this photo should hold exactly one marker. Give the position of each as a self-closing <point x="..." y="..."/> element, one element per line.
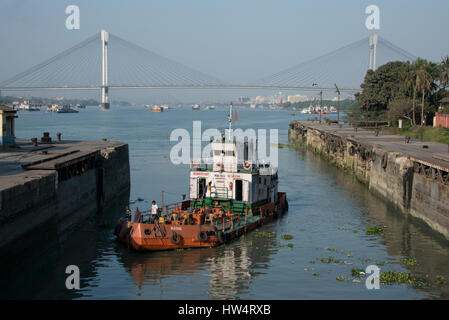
<point x="81" y="106"/>
<point x="25" y="105"/>
<point x="156" y="108"/>
<point x="53" y="108"/>
<point x="66" y="109"/>
<point x="196" y="107"/>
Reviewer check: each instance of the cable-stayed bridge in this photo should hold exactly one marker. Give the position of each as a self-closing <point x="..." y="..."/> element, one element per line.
<point x="105" y="61"/>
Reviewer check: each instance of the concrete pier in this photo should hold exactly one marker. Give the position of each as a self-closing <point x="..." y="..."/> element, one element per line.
<point x="413" y="175"/>
<point x="57" y="184"/>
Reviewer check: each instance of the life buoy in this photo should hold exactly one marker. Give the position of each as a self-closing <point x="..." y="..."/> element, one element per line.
<point x="176" y="238"/>
<point x="247" y="165"/>
<point x="202" y="236"/>
<point x="195" y="164"/>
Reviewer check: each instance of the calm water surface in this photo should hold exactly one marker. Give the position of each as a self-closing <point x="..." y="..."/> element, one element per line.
<point x="327" y="210"/>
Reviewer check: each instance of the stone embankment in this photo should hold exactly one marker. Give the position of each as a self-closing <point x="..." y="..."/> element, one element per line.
<point x="412" y="175"/>
<point x="46" y="189"/>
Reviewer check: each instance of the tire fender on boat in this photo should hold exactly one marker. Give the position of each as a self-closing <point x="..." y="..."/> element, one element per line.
<point x="125" y="232"/>
<point x="176" y="238"/>
<point x="221" y="236"/>
<point x="202" y="236"/>
<point x="117" y="229"/>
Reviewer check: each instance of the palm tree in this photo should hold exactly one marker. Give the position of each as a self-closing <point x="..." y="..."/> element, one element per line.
<point x="411" y="83"/>
<point x="423" y="83"/>
<point x="444" y="72"/>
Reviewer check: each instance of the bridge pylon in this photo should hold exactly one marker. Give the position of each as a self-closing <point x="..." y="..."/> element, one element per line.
<point x="104" y="70"/>
<point x="373" y="39"/>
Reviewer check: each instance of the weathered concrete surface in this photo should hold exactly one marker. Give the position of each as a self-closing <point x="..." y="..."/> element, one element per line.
<point x="52" y="187"/>
<point x="413" y="176"/>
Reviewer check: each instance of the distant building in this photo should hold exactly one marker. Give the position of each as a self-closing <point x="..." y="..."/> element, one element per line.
<point x="297" y="98"/>
<point x="262" y="100"/>
<point x="243" y="100"/>
<point x="7" y="116"/>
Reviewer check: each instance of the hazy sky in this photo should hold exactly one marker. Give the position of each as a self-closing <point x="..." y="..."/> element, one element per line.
<point x="236" y="41"/>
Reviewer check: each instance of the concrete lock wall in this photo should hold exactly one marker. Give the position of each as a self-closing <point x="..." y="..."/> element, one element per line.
<point x="44" y="205"/>
<point x="391" y="175"/>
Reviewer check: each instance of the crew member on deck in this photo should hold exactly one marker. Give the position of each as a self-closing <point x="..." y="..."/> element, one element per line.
<point x="128" y="213"/>
<point x="154" y="211"/>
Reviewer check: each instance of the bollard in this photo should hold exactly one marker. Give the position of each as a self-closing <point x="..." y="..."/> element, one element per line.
<point x="46" y="138"/>
<point x="58" y="135"/>
<point x="407" y="139"/>
<point x="34" y="142"/>
<point x="355" y="129"/>
<point x="376" y="132"/>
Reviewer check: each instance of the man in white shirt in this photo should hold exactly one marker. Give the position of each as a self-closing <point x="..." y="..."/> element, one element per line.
<point x="154" y="209"/>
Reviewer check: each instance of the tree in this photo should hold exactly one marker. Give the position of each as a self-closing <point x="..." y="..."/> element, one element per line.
<point x="444" y="72"/>
<point x="411" y="82"/>
<point x="401" y="109"/>
<point x="425" y="75"/>
<point x="382" y="86"/>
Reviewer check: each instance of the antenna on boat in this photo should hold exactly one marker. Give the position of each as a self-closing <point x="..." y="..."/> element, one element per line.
<point x="230" y="120"/>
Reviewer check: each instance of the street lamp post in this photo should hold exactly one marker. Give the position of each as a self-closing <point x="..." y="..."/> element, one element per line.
<point x="338" y="103"/>
<point x="321" y="103"/>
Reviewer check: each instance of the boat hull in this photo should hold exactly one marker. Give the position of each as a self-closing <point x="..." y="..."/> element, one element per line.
<point x="153" y="236"/>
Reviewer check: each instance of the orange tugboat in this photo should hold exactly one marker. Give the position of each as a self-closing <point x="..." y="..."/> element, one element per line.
<point x="232" y="197"/>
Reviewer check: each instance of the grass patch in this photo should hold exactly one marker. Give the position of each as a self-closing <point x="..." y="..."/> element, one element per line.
<point x="429" y="133"/>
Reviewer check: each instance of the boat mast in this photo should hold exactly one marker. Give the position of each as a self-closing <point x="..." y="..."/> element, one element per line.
<point x="230" y="121"/>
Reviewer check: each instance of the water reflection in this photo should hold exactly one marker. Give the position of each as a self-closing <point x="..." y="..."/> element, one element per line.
<point x="230" y="268"/>
<point x="406" y="236"/>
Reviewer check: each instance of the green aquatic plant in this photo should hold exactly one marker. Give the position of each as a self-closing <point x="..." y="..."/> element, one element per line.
<point x="290" y="245"/>
<point x="374" y="230"/>
<point x="439" y="280"/>
<point x="340" y="278"/>
<point x="327" y="260"/>
<point x="410" y="262"/>
<point x="316" y="274"/>
<point x="286" y="237"/>
<point x="358" y="273"/>
<point x="392" y="277"/>
<point x="264" y="234"/>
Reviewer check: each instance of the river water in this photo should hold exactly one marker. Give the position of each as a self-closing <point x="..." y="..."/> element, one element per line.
<point x="327" y="217"/>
